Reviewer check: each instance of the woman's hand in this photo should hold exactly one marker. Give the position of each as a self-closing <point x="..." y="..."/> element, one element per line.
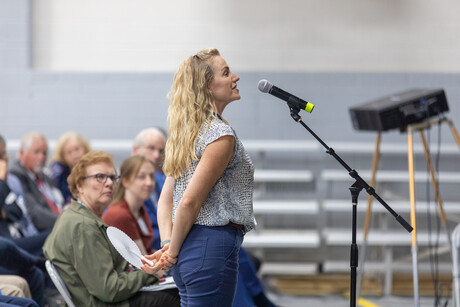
<point x="167" y="261"/>
<point x="155" y="257"/>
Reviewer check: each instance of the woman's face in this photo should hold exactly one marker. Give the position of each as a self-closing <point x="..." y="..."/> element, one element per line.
<point x="97" y="195"/>
<point x="73" y="150"/>
<point x="142" y="184"/>
<point x="223" y="86"/>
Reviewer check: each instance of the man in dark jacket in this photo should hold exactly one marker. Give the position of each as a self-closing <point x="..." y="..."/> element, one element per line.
<point x="14" y="221"/>
<point x="42" y="199"/>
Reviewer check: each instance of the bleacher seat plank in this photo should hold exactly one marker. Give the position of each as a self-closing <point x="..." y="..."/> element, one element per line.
<point x="285" y="207"/>
<point x="282" y="238"/>
<point x="389" y="176"/>
<point x="281" y="145"/>
<point x="287" y="268"/>
<point x="266" y="175"/>
<point x="372" y="266"/>
<point x="390" y="148"/>
<point x="344" y="205"/>
<point x="378" y="237"/>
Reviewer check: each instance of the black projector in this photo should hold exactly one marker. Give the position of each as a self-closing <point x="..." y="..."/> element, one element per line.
<point x="399" y="110"/>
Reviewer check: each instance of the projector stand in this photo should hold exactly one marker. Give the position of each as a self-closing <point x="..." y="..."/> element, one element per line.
<point x="410" y="129"/>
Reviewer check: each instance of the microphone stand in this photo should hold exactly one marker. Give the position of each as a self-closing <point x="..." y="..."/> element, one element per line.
<point x="355" y="189"/>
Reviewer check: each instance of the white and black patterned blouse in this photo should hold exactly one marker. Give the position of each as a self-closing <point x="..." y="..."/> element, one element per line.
<point x="231" y="197"/>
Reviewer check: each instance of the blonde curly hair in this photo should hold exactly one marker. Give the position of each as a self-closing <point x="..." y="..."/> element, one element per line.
<point x="190" y="106"/>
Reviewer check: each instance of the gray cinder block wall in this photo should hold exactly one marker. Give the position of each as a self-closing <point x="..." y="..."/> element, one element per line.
<point x="117" y="105"/>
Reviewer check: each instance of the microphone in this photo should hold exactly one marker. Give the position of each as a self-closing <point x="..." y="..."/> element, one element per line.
<point x="293" y="101"/>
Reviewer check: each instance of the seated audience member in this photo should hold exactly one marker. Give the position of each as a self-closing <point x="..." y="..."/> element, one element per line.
<point x="10" y="212"/>
<point x="127" y="211"/>
<point x="70" y="147"/>
<point x="16" y="261"/>
<point x="150" y="143"/>
<point x="13" y="214"/>
<point x="42" y="199"/>
<point x="90" y="266"/>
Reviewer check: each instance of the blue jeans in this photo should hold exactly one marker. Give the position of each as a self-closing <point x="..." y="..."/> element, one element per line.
<point x="8" y="301"/>
<point x="16" y="261"/>
<point x="207" y="268"/>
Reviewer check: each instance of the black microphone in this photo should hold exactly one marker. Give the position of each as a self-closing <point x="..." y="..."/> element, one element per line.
<point x="293" y="101"/>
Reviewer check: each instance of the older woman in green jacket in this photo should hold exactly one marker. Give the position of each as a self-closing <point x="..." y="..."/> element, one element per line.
<point x="93" y="271"/>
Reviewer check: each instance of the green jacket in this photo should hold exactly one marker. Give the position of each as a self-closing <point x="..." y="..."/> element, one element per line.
<point x="92" y="269"/>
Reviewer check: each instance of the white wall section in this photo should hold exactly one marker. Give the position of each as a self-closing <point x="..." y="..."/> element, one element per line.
<point x="269" y="35"/>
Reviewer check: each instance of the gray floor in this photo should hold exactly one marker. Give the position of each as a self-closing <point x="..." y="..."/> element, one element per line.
<point x="339" y="301"/>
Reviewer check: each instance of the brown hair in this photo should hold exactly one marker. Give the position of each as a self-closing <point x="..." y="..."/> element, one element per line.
<point x="78" y="173"/>
<point x="129" y="168"/>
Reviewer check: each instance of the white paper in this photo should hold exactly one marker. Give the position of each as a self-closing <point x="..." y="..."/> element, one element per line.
<point x="125" y="246"/>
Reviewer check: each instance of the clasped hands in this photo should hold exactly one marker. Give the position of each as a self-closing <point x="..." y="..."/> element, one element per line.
<point x="161" y="259"/>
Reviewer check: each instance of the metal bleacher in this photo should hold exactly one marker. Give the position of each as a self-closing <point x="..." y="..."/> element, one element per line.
<point x="326" y="237"/>
<point x="301" y="227"/>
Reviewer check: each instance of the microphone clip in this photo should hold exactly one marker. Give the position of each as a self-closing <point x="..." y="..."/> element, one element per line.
<point x="295" y="113"/>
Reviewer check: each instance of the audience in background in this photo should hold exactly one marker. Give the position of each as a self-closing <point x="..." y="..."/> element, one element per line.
<point x="70" y="147"/>
<point x="150" y="143"/>
<point x="14" y="221"/>
<point x="16" y="261"/>
<point x="90" y="266"/>
<point x="127" y="211"/>
<point x="42" y="199"/>
<point x="19" y="255"/>
<point x="131" y="211"/>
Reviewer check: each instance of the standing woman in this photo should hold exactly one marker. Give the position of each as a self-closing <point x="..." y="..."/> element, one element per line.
<point x="205" y="207"/>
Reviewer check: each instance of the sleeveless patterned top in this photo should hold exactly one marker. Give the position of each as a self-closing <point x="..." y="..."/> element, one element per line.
<point x="231" y="197"/>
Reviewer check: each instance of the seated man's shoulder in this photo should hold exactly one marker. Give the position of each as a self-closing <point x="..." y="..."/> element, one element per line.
<point x="15" y="184"/>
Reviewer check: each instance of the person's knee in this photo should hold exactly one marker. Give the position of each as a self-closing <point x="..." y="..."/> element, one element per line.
<point x="36" y="279"/>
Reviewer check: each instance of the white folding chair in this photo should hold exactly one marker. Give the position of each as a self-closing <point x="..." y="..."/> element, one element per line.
<point x="56" y="278"/>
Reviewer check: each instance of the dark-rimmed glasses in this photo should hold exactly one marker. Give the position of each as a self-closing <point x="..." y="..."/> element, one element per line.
<point x="102" y="178"/>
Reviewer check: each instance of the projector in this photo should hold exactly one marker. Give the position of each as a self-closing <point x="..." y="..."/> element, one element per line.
<point x="399" y="110"/>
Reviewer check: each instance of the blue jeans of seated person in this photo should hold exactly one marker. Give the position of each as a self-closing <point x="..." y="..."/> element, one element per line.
<point x="16" y="261"/>
<point x="8" y="301"/>
<point x="207" y="268"/>
<point x="248" y="283"/>
<point x="33" y="244"/>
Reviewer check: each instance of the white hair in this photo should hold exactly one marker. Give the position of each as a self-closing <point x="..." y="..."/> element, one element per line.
<point x="139" y="140"/>
<point x="28" y="139"/>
